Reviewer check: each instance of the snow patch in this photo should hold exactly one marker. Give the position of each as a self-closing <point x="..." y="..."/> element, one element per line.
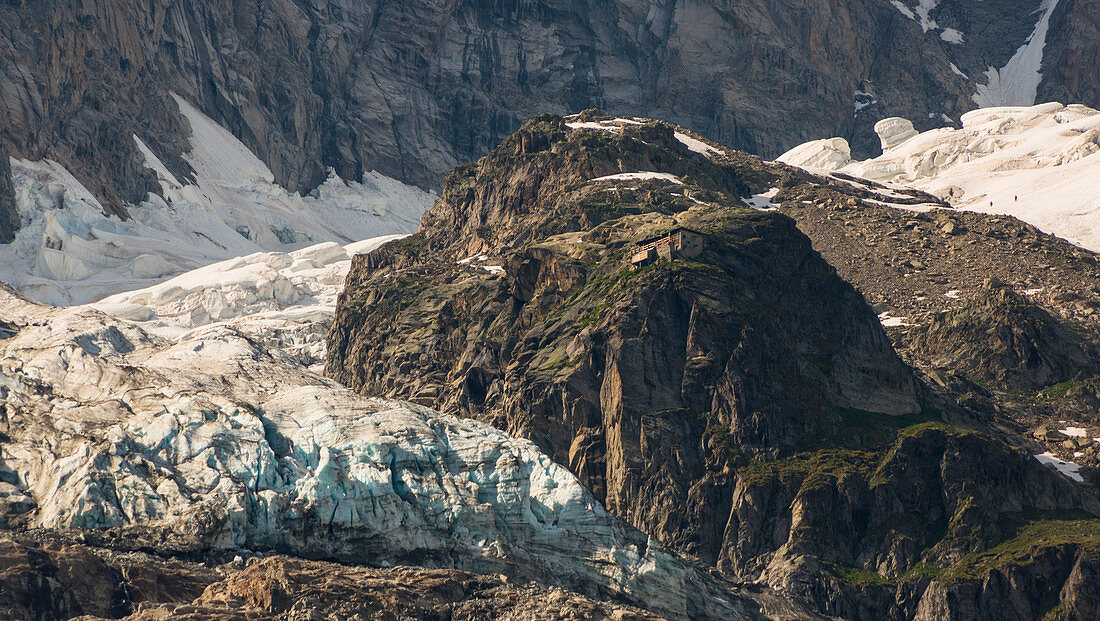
<point x="862" y="101"/>
<point x="951" y="35"/>
<point x="924" y="10"/>
<point x="889" y="321"/>
<point x="904" y="10"/>
<point x="610" y="125"/>
<point x="697" y="146"/>
<point x="641" y="176"/>
<point x="919" y="14"/>
<point x="762" y="202"/>
<point x="1075" y="432"/>
<point x="1067" y="468"/>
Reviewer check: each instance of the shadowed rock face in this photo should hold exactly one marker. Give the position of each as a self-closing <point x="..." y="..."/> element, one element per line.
<point x="59" y="581"/>
<point x="413" y="88"/>
<point x="1071" y="65"/>
<point x="999" y="338"/>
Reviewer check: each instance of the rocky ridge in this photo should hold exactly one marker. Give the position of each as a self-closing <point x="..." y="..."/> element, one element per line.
<point x="515" y="304"/>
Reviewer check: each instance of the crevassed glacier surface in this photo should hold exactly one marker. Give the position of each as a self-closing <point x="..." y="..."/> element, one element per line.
<point x="283" y="300"/>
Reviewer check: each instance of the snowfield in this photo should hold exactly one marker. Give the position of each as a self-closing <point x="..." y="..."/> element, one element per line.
<point x="1036" y="163"/>
<point x="69" y="252"/>
<point x="1067" y="468"/>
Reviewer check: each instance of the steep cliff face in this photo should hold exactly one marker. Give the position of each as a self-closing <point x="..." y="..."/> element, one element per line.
<point x="411" y="89"/>
<point x="908" y="531"/>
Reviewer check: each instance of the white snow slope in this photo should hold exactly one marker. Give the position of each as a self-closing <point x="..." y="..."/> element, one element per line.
<point x="69" y="252"/>
<point x="1037" y="163"/>
<point x="1017" y="83"/>
<point x="215" y="434"/>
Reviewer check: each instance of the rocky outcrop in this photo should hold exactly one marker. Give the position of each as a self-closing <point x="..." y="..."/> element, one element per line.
<point x="285" y="588"/>
<point x="55" y="579"/>
<point x="705" y="398"/>
<point x="640" y="379"/>
<point x="413" y="88"/>
<point x="1001" y="339"/>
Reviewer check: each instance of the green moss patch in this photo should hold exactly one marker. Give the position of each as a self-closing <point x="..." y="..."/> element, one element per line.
<point x="1028" y="543"/>
<point x="856" y="576"/>
<point x="812" y="468"/>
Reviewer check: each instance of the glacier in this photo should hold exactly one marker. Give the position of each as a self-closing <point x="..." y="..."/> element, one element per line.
<point x="69" y="251"/>
<point x="1036" y="163"/>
